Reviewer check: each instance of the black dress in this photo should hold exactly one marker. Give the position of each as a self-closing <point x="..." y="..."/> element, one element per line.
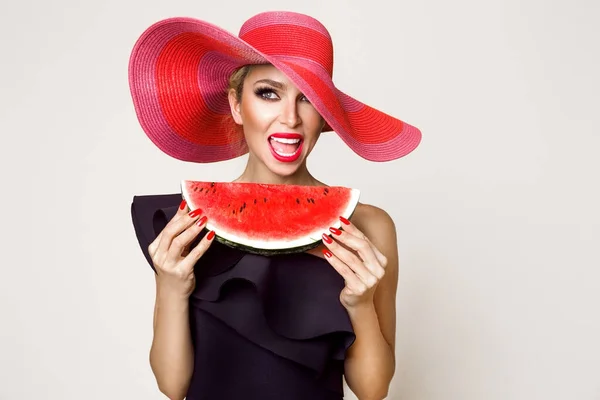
<point x="262" y="327"/>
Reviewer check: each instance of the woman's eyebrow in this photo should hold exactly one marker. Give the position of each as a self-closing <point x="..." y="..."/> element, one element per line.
<point x="271" y="82"/>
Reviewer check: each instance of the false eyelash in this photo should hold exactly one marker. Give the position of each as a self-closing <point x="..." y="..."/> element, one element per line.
<point x="261" y="91"/>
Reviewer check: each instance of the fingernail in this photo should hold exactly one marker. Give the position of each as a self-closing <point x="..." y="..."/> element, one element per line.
<point x="201" y="221"/>
<point x="210" y="235"/>
<point x="327" y="239"/>
<point x="327" y="253"/>
<point x="344" y="220"/>
<point x="335" y="231"/>
<point x="195" y="213"/>
<point x="182" y="205"/>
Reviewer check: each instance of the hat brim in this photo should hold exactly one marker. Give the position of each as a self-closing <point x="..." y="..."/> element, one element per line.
<point x="178" y="74"/>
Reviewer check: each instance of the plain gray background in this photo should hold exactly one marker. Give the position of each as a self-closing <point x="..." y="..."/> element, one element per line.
<point x="496" y="211"/>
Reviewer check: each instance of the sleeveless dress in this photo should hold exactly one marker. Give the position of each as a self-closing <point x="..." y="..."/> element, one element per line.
<point x="262" y="327"/>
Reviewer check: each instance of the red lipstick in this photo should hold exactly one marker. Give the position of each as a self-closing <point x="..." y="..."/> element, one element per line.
<point x="285" y="135"/>
<point x="285" y="157"/>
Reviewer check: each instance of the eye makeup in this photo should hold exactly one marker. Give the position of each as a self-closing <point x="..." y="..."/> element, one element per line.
<point x="264" y="91"/>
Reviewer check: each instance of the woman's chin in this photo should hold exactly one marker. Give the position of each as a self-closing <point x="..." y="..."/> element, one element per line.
<point x="283" y="169"/>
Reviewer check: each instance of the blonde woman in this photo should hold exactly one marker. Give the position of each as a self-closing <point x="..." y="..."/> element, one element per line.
<point x="234" y="325"/>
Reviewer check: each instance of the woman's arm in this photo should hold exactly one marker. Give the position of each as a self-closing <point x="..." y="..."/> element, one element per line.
<point x="371" y="361"/>
<point x="172" y="355"/>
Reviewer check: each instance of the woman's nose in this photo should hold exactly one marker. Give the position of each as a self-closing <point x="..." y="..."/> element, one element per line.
<point x="289" y="113"/>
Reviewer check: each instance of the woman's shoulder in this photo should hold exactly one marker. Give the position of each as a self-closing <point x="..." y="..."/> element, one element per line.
<point x="369" y="218"/>
<point x="378" y="226"/>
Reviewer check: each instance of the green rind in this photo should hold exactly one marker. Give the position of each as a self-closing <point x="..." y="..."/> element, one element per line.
<point x="266" y="252"/>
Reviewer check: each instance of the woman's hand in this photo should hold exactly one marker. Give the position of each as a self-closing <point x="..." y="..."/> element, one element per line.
<point x="171" y="254"/>
<point x="357" y="260"/>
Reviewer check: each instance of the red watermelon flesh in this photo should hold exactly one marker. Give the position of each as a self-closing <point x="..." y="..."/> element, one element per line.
<point x="270" y="218"/>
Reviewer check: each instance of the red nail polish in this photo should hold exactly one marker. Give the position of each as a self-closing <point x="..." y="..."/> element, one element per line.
<point x="182" y="205"/>
<point x="327" y="253"/>
<point x="201" y="221"/>
<point x="327" y="239"/>
<point x="344" y="220"/>
<point x="210" y="235"/>
<point x="195" y="213"/>
<point x="335" y="231"/>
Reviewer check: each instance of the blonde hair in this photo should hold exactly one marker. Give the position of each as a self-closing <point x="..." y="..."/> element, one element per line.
<point x="236" y="80"/>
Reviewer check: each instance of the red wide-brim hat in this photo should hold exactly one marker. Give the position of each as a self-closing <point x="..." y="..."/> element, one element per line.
<point x="179" y="74"/>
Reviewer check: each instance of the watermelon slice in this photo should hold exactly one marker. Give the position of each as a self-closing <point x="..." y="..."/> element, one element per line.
<point x="267" y="218"/>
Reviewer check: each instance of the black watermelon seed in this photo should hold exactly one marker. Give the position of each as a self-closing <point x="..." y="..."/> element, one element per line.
<point x="265" y="199"/>
<point x="312" y="200"/>
<point x="254" y="201"/>
<point x="233" y="212"/>
<point x="241" y="209"/>
<point x="228" y="205"/>
<point x="298" y="201"/>
<point x="212" y="184"/>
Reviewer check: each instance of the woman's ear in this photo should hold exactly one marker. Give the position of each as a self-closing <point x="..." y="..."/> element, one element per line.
<point x="235" y="106"/>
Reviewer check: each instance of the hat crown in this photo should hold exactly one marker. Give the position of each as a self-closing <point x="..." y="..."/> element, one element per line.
<point x="288" y="34"/>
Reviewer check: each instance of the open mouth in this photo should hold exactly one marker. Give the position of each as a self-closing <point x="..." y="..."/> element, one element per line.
<point x="286" y="146"/>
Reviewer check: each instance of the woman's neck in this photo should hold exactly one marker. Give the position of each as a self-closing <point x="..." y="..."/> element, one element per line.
<point x="256" y="172"/>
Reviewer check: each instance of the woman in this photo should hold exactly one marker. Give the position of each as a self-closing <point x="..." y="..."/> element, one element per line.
<point x="228" y="324"/>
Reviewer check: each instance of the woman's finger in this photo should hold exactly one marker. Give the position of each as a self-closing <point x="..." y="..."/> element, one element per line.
<point x="380" y="257"/>
<point x="172" y="230"/>
<point x="353" y="282"/>
<point x="198" y="251"/>
<point x="352" y="229"/>
<point x="365" y="252"/>
<point x="350" y="259"/>
<point x="181" y="211"/>
<point x="182" y="240"/>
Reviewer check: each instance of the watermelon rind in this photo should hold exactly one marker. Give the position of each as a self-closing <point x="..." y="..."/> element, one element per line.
<point x="266" y="252"/>
<point x="274" y="247"/>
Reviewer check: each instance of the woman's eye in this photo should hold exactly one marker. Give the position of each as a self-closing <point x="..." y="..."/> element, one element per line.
<point x="303" y="98"/>
<point x="267" y="94"/>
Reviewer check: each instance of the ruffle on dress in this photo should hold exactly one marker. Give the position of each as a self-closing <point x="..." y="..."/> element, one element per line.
<point x="286" y="304"/>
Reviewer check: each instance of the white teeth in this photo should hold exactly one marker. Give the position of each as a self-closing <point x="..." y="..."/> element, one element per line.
<point x="284" y="154"/>
<point x="287" y="141"/>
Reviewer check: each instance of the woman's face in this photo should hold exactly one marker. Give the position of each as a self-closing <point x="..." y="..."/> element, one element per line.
<point x="280" y="125"/>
